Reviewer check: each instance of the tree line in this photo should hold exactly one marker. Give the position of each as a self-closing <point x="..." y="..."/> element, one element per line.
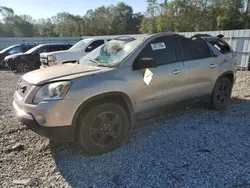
<point x="175" y="15"/>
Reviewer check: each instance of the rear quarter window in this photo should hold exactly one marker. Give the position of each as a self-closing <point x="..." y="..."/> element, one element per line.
<point x="27" y="47"/>
<point x="220" y="45"/>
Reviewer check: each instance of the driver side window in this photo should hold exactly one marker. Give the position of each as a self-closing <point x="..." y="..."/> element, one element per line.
<point x="161" y="49"/>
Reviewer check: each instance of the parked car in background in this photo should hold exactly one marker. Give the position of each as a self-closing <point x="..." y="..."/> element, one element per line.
<point x="30" y="60"/>
<point x="14" y="49"/>
<point x="94" y="101"/>
<point x="74" y="54"/>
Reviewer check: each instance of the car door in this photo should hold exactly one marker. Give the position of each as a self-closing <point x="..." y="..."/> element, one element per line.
<point x="201" y="67"/>
<point x="166" y="84"/>
<point x="35" y="57"/>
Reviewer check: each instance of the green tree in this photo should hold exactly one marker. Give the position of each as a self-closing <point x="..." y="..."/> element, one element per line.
<point x="45" y="28"/>
<point x="16" y="25"/>
<point x="68" y="25"/>
<point x="148" y="24"/>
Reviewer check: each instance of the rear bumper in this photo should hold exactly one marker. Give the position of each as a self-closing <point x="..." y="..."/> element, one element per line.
<point x="62" y="133"/>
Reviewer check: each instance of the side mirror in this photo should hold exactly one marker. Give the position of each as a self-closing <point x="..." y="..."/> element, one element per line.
<point x="145" y="62"/>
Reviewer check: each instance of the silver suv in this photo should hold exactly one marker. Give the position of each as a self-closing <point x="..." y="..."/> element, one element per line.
<point x="95" y="101"/>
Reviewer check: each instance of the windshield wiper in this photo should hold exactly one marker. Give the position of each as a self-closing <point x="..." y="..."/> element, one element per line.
<point x="97" y="63"/>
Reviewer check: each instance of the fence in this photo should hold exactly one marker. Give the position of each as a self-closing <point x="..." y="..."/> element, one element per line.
<point x="238" y="39"/>
<point x="8" y="41"/>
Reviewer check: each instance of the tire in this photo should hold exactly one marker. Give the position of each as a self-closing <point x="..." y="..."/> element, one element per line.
<point x="2" y="64"/>
<point x="221" y="95"/>
<point x="102" y="128"/>
<point x="22" y="67"/>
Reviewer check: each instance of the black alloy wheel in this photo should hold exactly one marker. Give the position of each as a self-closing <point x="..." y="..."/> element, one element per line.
<point x="102" y="128"/>
<point x="105" y="128"/>
<point x="22" y="67"/>
<point x="3" y="64"/>
<point x="222" y="94"/>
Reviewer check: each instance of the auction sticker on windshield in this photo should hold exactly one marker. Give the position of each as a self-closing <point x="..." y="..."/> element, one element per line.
<point x="158" y="46"/>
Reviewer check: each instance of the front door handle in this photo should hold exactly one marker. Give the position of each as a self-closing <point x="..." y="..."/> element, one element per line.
<point x="176" y="72"/>
<point x="212" y="65"/>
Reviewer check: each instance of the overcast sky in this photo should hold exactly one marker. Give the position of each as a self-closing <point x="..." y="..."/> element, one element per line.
<point x="48" y="8"/>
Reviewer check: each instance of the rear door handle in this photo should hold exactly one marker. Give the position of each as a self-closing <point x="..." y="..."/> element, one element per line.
<point x="176" y="72"/>
<point x="212" y="65"/>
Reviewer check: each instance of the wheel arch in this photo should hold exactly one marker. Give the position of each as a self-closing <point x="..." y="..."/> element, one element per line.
<point x="116" y="97"/>
<point x="229" y="74"/>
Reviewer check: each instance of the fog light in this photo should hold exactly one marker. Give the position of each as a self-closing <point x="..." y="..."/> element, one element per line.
<point x="53" y="63"/>
<point x="40" y="119"/>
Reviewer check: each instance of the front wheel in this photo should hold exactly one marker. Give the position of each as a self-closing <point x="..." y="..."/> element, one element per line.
<point x="2" y="64"/>
<point x="103" y="128"/>
<point x="22" y="67"/>
<point x="221" y="95"/>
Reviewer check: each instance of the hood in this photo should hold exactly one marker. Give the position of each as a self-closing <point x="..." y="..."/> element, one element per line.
<point x="61" y="72"/>
<point x="52" y="53"/>
<point x="13" y="55"/>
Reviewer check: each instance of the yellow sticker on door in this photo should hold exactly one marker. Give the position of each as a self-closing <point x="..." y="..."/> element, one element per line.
<point x="148" y="75"/>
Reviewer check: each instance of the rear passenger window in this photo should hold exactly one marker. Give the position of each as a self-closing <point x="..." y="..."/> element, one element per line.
<point x="55" y="48"/>
<point x="193" y="49"/>
<point x="221" y="45"/>
<point x="162" y="49"/>
<point x="94" y="45"/>
<point x="27" y="47"/>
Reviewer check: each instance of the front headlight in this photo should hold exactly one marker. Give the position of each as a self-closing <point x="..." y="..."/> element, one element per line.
<point x="53" y="91"/>
<point x="52" y="60"/>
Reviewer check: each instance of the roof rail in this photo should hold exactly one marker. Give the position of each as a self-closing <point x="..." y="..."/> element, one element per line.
<point x="125" y="38"/>
<point x="200" y="35"/>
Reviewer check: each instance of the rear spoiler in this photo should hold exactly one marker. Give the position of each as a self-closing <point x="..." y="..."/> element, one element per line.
<point x="199" y="35"/>
<point x="220" y="36"/>
<point x="205" y="35"/>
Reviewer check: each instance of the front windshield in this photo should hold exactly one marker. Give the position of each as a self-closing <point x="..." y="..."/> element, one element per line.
<point x="5" y="49"/>
<point x="110" y="54"/>
<point x="79" y="45"/>
<point x="33" y="49"/>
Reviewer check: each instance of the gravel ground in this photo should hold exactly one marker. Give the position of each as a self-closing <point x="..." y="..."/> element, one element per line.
<point x="191" y="147"/>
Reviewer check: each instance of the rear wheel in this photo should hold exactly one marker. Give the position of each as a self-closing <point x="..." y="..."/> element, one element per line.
<point x="221" y="95"/>
<point x="103" y="128"/>
<point x="22" y="67"/>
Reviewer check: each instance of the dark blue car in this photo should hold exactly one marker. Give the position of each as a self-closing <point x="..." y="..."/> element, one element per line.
<point x="14" y="49"/>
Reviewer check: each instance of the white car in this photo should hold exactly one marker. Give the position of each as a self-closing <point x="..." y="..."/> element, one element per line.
<point x="73" y="54"/>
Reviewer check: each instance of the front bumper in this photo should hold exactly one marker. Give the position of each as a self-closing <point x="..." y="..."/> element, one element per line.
<point x="43" y="66"/>
<point x="62" y="133"/>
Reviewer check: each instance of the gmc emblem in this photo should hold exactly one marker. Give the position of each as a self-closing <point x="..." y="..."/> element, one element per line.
<point x="23" y="88"/>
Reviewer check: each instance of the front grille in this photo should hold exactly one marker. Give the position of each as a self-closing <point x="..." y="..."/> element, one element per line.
<point x="44" y="61"/>
<point x="23" y="88"/>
